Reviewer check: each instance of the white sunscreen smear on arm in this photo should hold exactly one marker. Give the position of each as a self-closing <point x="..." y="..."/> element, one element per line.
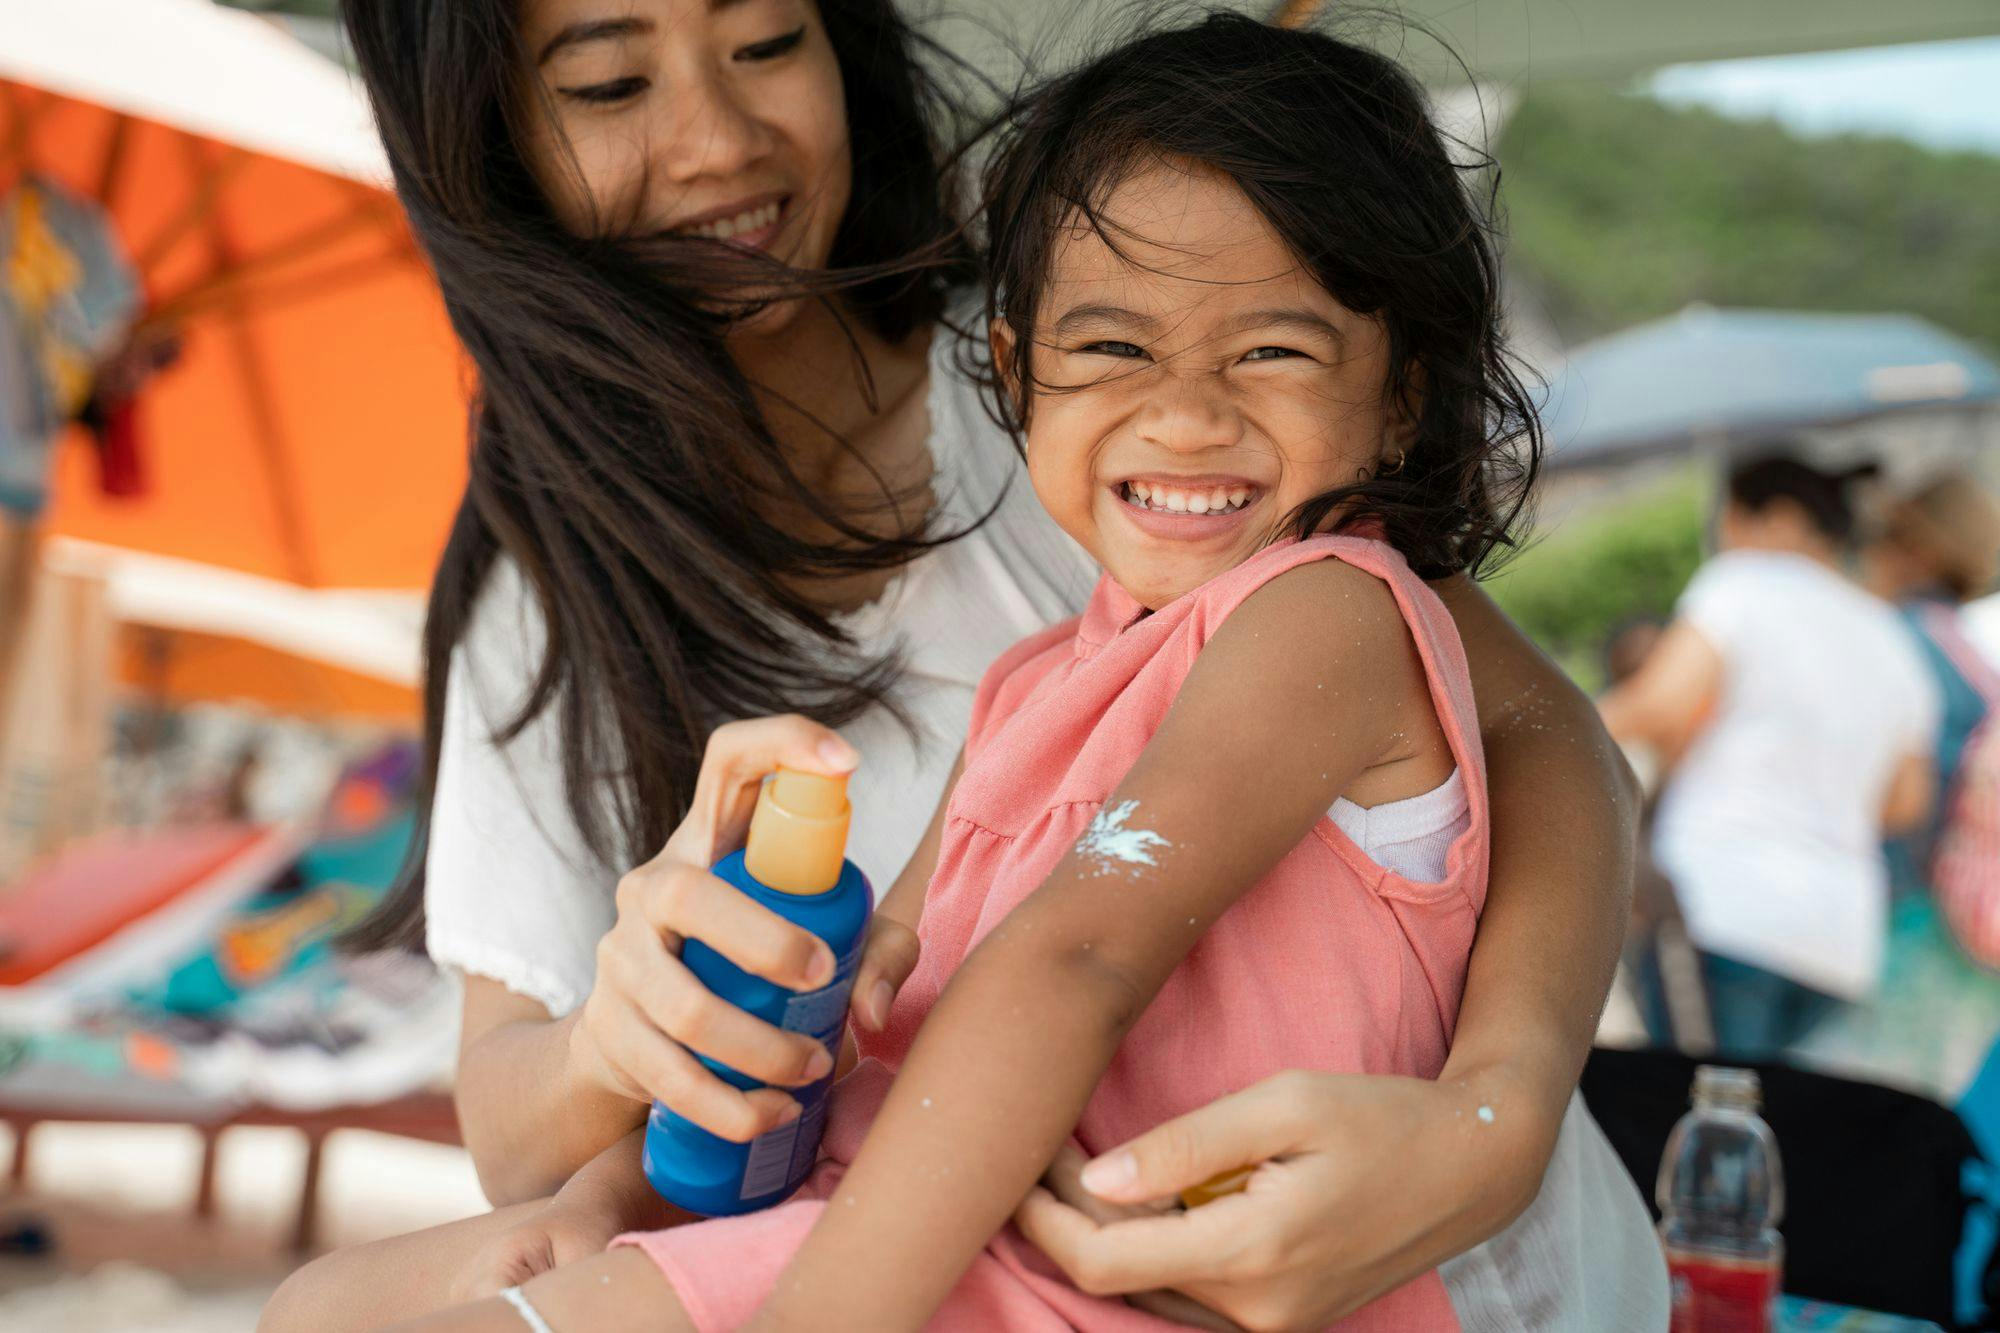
<point x="1115" y="847"/>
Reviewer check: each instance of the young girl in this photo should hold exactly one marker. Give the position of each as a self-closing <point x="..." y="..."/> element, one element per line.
<point x="1233" y="819"/>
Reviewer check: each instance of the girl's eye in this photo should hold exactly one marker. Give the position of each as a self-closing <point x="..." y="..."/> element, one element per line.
<point x="1111" y="347"/>
<point x="604" y="94"/>
<point x="1268" y="353"/>
<point x="775" y="47"/>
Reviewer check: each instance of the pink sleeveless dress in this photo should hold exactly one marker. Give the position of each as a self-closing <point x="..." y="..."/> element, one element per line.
<point x="1330" y="962"/>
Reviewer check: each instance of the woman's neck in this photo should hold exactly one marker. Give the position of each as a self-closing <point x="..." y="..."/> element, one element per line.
<point x="849" y="408"/>
<point x="814" y="378"/>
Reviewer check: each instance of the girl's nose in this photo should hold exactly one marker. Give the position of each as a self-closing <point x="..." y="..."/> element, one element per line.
<point x="710" y="132"/>
<point x="1188" y="414"/>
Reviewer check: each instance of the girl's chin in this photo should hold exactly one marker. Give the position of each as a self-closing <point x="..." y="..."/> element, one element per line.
<point x="1153" y="587"/>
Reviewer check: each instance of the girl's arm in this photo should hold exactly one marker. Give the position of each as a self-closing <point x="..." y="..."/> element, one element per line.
<point x="1248" y="759"/>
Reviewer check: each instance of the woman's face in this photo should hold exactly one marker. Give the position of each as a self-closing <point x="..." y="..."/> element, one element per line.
<point x="720" y="118"/>
<point x="1195" y="384"/>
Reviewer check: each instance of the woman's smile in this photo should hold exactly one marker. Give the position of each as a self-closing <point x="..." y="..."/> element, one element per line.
<point x="751" y="223"/>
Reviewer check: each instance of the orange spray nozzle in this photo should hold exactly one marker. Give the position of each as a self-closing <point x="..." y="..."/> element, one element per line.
<point x="798" y="833"/>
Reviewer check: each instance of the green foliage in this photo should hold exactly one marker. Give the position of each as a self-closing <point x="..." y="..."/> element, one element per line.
<point x="1623" y="559"/>
<point x="1623" y="209"/>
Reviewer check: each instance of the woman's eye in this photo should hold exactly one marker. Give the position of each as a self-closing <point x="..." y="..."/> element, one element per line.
<point x="601" y="94"/>
<point x="1268" y="353"/>
<point x="775" y="47"/>
<point x="1111" y="347"/>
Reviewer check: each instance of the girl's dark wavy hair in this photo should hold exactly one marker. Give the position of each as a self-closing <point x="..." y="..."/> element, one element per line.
<point x="1333" y="144"/>
<point x="617" y="454"/>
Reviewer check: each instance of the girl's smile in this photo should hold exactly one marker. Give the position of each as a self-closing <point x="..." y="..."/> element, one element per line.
<point x="1193" y="508"/>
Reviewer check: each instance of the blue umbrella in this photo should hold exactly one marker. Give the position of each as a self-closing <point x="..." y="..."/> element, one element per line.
<point x="1708" y="376"/>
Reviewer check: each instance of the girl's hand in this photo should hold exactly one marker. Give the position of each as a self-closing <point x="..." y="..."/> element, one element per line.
<point x="560" y="1232"/>
<point x="648" y="1017"/>
<point x="1366" y="1182"/>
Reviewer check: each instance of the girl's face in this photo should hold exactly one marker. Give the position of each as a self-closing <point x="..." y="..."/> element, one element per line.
<point x="1195" y="390"/>
<point x="721" y="118"/>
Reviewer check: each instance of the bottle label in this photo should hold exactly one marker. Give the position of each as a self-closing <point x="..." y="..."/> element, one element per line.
<point x="774" y="1162"/>
<point x="779" y="1156"/>
<point x="1712" y="1294"/>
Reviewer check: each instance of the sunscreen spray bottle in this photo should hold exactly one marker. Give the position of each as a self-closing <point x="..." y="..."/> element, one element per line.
<point x="794" y="862"/>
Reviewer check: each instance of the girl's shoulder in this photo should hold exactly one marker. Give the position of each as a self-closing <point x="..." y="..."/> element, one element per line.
<point x="1330" y="576"/>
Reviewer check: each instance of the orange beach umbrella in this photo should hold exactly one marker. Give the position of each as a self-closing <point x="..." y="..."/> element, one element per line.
<point x="312" y="431"/>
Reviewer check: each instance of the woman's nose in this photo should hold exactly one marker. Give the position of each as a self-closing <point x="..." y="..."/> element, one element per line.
<point x="1189" y="414"/>
<point x="710" y="133"/>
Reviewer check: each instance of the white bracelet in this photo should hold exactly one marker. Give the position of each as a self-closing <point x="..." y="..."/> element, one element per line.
<point x="534" y="1321"/>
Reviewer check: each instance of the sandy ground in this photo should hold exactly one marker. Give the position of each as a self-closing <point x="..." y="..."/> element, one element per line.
<point x="130" y="1256"/>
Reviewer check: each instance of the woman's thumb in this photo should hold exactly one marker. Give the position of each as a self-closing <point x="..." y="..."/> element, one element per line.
<point x="1240" y="1130"/>
<point x="886" y="964"/>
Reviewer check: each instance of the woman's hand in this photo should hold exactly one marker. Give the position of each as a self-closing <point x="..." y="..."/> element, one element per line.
<point x="886" y="963"/>
<point x="648" y="1017"/>
<point x="1365" y="1182"/>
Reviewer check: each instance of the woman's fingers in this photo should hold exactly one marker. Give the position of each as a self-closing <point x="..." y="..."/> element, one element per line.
<point x="674" y="1002"/>
<point x="1137" y="1253"/>
<point x="669" y="1074"/>
<point x="738" y="757"/>
<point x="1242" y="1129"/>
<point x="1064" y="1179"/>
<point x="688" y="903"/>
<point x="886" y="963"/>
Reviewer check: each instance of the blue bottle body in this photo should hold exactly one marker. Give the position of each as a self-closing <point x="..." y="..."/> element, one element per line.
<point x="694" y="1169"/>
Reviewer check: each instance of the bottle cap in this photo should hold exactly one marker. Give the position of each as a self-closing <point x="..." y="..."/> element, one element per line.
<point x="1719" y="1085"/>
<point x="1232" y="1181"/>
<point x="798" y="833"/>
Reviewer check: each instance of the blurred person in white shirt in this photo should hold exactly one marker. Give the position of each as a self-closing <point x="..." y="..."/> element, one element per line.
<point x="1804" y="721"/>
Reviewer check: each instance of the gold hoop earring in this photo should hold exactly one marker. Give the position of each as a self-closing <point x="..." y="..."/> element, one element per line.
<point x="1397" y="466"/>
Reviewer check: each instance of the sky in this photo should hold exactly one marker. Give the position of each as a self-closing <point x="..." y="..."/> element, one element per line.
<point x="1940" y="94"/>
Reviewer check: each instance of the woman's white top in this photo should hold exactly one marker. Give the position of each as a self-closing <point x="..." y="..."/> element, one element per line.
<point x="1771" y="826"/>
<point x="512" y="894"/>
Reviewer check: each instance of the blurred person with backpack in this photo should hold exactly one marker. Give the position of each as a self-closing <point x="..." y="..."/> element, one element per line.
<point x="1937" y="549"/>
<point x="1803" y="721"/>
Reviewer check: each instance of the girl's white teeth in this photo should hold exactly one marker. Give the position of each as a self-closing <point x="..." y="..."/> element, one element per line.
<point x="721" y="229"/>
<point x="1217" y="500"/>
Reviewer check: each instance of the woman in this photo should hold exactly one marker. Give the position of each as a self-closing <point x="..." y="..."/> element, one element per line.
<point x="1803" y="722"/>
<point x="687" y="505"/>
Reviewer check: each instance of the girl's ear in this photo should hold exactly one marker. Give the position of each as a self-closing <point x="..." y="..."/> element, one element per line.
<point x="1002" y="343"/>
<point x="1400" y="420"/>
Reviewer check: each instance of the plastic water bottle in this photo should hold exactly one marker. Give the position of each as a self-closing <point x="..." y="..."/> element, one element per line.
<point x="1721" y="1194"/>
<point x="793" y="862"/>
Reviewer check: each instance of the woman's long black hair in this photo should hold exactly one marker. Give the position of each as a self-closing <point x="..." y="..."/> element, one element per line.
<point x="1333" y="143"/>
<point x="617" y="456"/>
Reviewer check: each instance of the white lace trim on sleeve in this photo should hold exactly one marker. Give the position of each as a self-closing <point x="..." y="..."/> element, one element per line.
<point x="523" y="976"/>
